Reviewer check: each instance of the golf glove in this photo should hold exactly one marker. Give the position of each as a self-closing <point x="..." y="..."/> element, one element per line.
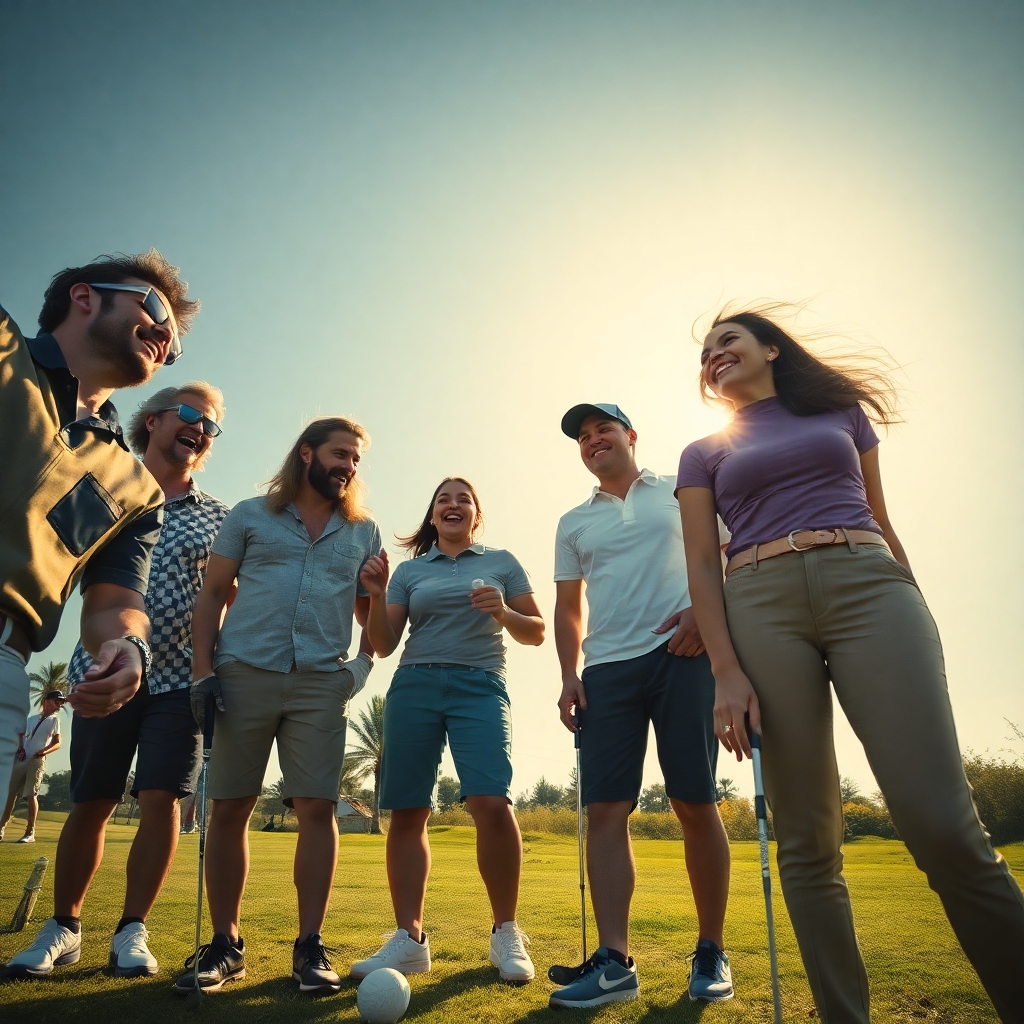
<point x="208" y="686"/>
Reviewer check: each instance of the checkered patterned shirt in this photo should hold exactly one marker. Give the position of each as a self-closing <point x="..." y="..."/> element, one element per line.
<point x="191" y="522"/>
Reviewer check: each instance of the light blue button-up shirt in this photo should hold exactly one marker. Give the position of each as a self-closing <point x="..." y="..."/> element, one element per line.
<point x="296" y="597"/>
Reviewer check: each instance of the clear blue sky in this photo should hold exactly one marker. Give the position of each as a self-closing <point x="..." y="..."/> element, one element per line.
<point x="455" y="220"/>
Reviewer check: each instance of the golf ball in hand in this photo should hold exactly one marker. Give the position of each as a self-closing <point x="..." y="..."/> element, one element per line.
<point x="477" y="584"/>
<point x="383" y="996"/>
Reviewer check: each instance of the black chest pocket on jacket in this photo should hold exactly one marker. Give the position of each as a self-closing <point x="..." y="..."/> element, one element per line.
<point x="84" y="515"/>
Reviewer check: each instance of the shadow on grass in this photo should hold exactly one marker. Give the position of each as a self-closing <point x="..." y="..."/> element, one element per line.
<point x="55" y="1001"/>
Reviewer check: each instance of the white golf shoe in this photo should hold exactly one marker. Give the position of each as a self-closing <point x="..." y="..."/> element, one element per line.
<point x="401" y="952"/>
<point x="129" y="955"/>
<point x="508" y="953"/>
<point x="55" y="946"/>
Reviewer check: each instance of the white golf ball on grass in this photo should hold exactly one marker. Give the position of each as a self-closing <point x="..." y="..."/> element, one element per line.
<point x="383" y="996"/>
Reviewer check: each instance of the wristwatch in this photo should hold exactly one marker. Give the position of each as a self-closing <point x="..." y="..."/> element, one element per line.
<point x="147" y="657"/>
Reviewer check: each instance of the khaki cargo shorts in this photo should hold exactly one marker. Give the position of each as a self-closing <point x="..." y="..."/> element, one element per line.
<point x="306" y="712"/>
<point x="27" y="777"/>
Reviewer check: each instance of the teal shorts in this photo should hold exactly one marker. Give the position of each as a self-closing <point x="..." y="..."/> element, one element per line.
<point x="427" y="704"/>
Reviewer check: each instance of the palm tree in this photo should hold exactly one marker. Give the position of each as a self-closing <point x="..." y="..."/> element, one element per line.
<point x="353" y="771"/>
<point x="725" y="790"/>
<point x="370" y="731"/>
<point x="53" y="676"/>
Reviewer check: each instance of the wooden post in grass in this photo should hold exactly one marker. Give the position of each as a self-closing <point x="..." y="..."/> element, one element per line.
<point x="28" y="896"/>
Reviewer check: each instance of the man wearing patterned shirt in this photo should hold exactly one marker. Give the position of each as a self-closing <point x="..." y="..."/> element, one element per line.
<point x="173" y="431"/>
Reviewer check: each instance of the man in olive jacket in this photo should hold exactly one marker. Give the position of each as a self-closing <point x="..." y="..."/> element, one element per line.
<point x="76" y="506"/>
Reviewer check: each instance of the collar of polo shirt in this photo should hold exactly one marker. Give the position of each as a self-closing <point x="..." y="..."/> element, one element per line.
<point x="645" y="475"/>
<point x="436" y="552"/>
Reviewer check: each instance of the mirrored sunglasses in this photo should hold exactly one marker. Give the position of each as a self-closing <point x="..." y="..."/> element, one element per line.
<point x="192" y="416"/>
<point x="155" y="309"/>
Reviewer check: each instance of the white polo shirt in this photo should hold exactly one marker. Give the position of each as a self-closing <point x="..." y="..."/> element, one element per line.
<point x="39" y="731"/>
<point x="630" y="553"/>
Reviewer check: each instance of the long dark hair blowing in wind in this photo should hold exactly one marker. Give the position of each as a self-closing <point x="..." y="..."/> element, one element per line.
<point x="807" y="385"/>
<point x="420" y="542"/>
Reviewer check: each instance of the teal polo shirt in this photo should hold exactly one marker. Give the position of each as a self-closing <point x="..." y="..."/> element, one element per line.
<point x="443" y="626"/>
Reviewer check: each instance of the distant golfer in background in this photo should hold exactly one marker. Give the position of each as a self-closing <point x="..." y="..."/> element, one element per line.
<point x="41" y="737"/>
<point x="818" y="596"/>
<point x="626" y="543"/>
<point x="459" y="598"/>
<point x="282" y="671"/>
<point x="173" y="431"/>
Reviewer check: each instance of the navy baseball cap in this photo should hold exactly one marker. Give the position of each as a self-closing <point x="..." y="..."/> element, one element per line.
<point x="578" y="413"/>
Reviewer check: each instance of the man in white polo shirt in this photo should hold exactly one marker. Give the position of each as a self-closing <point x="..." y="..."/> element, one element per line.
<point x="626" y="543"/>
<point x="41" y="737"/>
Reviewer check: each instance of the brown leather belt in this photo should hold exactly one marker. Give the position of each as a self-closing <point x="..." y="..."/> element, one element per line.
<point x="803" y="540"/>
<point x="17" y="640"/>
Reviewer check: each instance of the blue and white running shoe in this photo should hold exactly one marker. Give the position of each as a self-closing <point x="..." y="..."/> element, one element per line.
<point x="710" y="977"/>
<point x="603" y="981"/>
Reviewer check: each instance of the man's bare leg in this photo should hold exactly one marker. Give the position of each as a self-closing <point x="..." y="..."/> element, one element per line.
<point x="152" y="851"/>
<point x="316" y="857"/>
<point x="706" y="847"/>
<point x="79" y="853"/>
<point x="227" y="862"/>
<point x="612" y="871"/>
<point x="31" y="813"/>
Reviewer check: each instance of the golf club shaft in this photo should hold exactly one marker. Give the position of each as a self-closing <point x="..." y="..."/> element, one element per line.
<point x="208" y="722"/>
<point x="579" y="830"/>
<point x="766" y="879"/>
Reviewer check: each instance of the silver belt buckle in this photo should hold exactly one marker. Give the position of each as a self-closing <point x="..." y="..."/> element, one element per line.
<point x="815" y="544"/>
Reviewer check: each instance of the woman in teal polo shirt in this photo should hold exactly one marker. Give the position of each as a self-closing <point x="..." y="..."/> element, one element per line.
<point x="458" y="598"/>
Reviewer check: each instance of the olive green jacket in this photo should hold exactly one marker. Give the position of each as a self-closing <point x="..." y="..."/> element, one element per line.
<point x="65" y="492"/>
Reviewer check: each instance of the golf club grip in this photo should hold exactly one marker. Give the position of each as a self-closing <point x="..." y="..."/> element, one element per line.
<point x="755" y="738"/>
<point x="209" y="715"/>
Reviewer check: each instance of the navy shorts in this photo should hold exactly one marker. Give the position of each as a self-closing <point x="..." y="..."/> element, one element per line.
<point x="160" y="727"/>
<point x="427" y="704"/>
<point x="677" y="695"/>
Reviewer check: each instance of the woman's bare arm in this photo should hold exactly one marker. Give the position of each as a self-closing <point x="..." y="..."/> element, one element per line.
<point x="876" y="499"/>
<point x="734" y="696"/>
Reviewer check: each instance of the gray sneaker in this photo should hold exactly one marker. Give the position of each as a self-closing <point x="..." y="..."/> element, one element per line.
<point x="710" y="977"/>
<point x="603" y="980"/>
<point x="55" y="946"/>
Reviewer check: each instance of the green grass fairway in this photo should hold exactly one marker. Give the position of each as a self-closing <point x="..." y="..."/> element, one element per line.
<point x="917" y="971"/>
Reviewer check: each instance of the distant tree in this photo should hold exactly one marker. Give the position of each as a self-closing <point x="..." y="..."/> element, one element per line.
<point x="58" y="792"/>
<point x="725" y="789"/>
<point x="848" y="789"/>
<point x="524" y="801"/>
<point x="569" y="793"/>
<point x="369" y="730"/>
<point x="52" y="676"/>
<point x="447" y="792"/>
<point x="654" y="800"/>
<point x="998" y="787"/>
<point x="546" y="794"/>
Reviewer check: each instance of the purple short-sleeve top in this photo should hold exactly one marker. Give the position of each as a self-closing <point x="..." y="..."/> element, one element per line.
<point x="773" y="472"/>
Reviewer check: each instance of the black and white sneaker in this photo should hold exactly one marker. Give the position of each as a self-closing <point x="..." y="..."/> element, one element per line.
<point x="219" y="963"/>
<point x="312" y="969"/>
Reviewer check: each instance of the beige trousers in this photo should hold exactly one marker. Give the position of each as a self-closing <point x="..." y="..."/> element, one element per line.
<point x="14" y="709"/>
<point x="857" y="618"/>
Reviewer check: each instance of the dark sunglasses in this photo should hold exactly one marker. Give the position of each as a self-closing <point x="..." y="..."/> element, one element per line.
<point x="155" y="308"/>
<point x="192" y="416"/>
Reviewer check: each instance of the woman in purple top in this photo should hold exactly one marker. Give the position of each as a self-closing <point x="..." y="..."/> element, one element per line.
<point x="818" y="590"/>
